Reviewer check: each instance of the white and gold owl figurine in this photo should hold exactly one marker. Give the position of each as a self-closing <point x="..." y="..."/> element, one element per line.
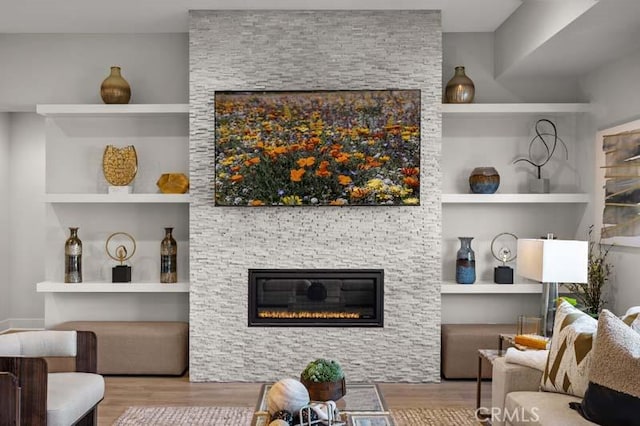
<point x="119" y="166"/>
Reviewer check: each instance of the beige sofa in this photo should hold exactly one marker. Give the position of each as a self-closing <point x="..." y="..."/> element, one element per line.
<point x="517" y="401"/>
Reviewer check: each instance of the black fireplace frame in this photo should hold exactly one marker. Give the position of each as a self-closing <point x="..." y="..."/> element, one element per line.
<point x="376" y="274"/>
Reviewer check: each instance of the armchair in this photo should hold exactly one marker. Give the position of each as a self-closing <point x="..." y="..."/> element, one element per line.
<point x="31" y="395"/>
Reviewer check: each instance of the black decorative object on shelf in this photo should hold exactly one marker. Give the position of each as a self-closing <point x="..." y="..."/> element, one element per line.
<point x="73" y="258"/>
<point x="121" y="273"/>
<point x="540" y="185"/>
<point x="501" y="251"/>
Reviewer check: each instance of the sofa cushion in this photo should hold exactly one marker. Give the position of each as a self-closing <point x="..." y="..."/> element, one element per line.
<point x="567" y="369"/>
<point x="39" y="343"/>
<point x="632" y="318"/>
<point x="613" y="395"/>
<point x="541" y="408"/>
<point x="71" y="395"/>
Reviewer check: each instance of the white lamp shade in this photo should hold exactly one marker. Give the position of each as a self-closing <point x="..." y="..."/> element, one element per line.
<point x="553" y="261"/>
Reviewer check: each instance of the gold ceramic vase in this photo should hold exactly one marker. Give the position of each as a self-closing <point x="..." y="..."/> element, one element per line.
<point x="460" y="89"/>
<point x="115" y="89"/>
<point x="119" y="165"/>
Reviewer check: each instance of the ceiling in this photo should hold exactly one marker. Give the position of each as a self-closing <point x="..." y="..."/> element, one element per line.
<point x="546" y="37"/>
<point x="171" y="16"/>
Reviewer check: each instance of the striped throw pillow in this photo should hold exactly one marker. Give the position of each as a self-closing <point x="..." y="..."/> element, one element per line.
<point x="567" y="368"/>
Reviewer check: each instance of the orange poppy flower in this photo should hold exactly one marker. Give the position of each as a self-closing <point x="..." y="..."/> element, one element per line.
<point x="359" y="192"/>
<point x="236" y="178"/>
<point x="344" y="180"/>
<point x="411" y="181"/>
<point x="306" y="162"/>
<point x="255" y="203"/>
<point x="252" y="161"/>
<point x="296" y="175"/>
<point x="338" y="202"/>
<point x="410" y="171"/>
<point x="343" y="157"/>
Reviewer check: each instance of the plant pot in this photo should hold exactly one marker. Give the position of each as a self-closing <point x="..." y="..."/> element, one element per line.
<point x="325" y="391"/>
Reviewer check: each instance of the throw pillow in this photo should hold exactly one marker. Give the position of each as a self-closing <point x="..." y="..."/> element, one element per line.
<point x="613" y="395"/>
<point x="632" y="318"/>
<point x="567" y="368"/>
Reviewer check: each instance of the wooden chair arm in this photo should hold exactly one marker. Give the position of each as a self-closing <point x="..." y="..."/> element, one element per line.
<point x="87" y="352"/>
<point x="31" y="374"/>
<point x="9" y="399"/>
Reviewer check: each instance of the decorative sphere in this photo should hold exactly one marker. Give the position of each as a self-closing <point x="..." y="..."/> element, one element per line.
<point x="279" y="422"/>
<point x="287" y="394"/>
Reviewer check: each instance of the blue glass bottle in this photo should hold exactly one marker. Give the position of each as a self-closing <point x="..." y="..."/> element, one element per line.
<point x="465" y="262"/>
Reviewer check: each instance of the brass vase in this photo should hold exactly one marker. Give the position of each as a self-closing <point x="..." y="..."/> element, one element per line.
<point x="168" y="258"/>
<point x="115" y="89"/>
<point x="460" y="89"/>
<point x="73" y="258"/>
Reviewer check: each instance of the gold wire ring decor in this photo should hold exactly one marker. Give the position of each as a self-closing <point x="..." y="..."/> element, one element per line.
<point x="119" y="165"/>
<point x="121" y="251"/>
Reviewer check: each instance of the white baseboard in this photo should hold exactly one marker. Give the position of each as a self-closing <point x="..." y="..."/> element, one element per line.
<point x="21" y="324"/>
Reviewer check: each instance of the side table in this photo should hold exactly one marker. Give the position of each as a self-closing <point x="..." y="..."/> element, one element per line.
<point x="490" y="355"/>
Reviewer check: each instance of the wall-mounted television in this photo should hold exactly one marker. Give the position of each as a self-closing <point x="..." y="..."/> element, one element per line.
<point x="322" y="148"/>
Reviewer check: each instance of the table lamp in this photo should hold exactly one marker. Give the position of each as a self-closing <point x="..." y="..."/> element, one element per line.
<point x="551" y="262"/>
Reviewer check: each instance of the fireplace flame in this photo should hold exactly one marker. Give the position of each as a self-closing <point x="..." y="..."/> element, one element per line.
<point x="308" y="314"/>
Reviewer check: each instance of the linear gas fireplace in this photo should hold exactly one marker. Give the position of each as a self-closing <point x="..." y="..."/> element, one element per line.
<point x="316" y="297"/>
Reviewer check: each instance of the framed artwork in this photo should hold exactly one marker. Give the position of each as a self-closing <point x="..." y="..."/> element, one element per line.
<point x="322" y="148"/>
<point x="618" y="190"/>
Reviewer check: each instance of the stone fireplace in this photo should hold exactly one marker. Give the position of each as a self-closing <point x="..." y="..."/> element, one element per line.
<point x="314" y="50"/>
<point x="316" y="298"/>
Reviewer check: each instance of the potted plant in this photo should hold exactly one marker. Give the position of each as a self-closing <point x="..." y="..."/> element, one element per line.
<point x="591" y="295"/>
<point x="324" y="379"/>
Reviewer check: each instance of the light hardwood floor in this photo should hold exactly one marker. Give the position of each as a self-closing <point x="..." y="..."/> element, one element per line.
<point x="123" y="392"/>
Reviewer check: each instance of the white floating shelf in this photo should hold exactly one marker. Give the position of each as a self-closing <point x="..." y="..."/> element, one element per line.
<point x="489" y="288"/>
<point x="449" y="287"/>
<point x="117" y="198"/>
<point x="515" y="198"/>
<point x="97" y="287"/>
<point x="505" y="109"/>
<point x="110" y="110"/>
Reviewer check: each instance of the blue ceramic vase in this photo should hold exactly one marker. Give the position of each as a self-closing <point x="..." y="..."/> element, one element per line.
<point x="465" y="262"/>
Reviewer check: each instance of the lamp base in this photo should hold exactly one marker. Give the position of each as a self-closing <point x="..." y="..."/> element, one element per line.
<point x="503" y="275"/>
<point x="548" y="311"/>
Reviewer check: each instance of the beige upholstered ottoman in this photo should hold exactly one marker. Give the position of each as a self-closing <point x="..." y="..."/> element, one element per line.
<point x="138" y="348"/>
<point x="460" y="344"/>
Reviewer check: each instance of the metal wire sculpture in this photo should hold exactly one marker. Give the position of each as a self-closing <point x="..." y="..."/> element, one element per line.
<point x="549" y="150"/>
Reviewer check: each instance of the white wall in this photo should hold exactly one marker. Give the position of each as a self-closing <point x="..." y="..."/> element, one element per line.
<point x="612" y="89"/>
<point x="26" y="211"/>
<point x="475" y="51"/>
<point x="5" y="288"/>
<point x="69" y="68"/>
<point x="63" y="68"/>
